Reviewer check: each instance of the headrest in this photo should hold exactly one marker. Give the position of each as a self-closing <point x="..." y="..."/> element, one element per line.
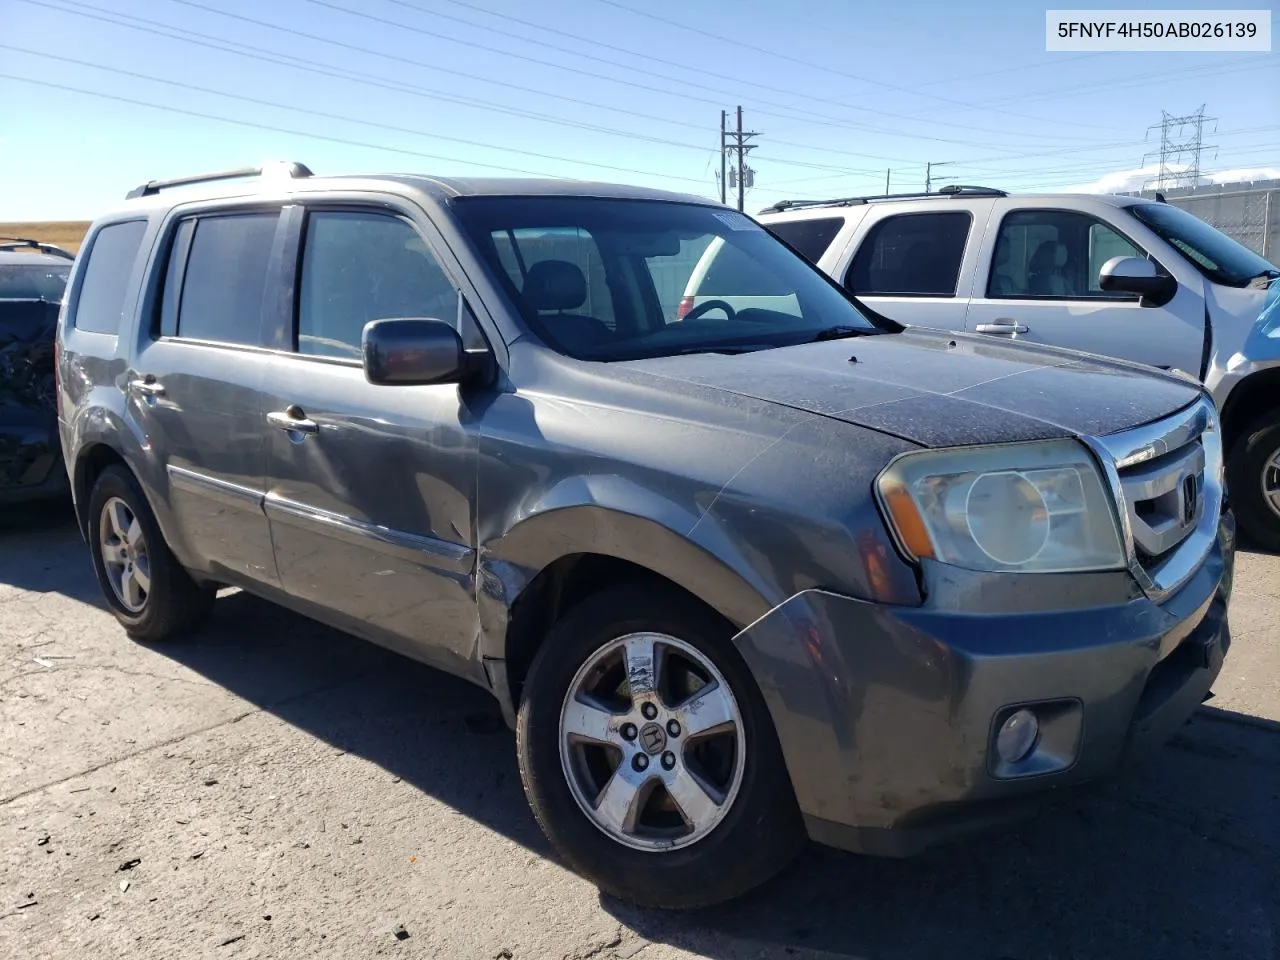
<point x="555" y="285"/>
<point x="1050" y="255"/>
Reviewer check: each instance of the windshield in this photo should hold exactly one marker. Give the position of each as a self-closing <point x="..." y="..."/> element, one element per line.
<point x="1213" y="253"/>
<point x="32" y="281"/>
<point x="606" y="279"/>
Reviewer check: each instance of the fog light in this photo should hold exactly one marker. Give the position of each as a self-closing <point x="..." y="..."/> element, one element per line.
<point x="1017" y="736"/>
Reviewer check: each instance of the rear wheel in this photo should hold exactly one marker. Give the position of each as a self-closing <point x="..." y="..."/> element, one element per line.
<point x="149" y="592"/>
<point x="648" y="755"/>
<point x="1253" y="480"/>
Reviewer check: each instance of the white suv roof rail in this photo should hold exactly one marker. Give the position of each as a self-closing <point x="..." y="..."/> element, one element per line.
<point x="951" y="190"/>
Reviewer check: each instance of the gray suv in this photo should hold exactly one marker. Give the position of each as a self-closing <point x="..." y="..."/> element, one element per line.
<point x="735" y="577"/>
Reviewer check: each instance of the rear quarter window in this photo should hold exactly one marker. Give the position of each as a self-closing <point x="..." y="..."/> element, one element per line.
<point x="809" y="238"/>
<point x="915" y="254"/>
<point x="112" y="256"/>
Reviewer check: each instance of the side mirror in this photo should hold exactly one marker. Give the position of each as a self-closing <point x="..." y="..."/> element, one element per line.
<point x="414" y="350"/>
<point x="1137" y="275"/>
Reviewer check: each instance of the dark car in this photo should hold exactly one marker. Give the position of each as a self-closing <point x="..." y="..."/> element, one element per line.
<point x="735" y="578"/>
<point x="32" y="278"/>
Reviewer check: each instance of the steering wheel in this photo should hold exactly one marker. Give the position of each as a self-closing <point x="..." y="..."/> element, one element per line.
<point x="708" y="305"/>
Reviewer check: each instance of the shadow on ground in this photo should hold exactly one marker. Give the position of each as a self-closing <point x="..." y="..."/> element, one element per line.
<point x="1178" y="858"/>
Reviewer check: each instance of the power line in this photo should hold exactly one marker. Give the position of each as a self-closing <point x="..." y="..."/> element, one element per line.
<point x="267" y="55"/>
<point x="810" y="63"/>
<point x="309" y="65"/>
<point x="702" y="70"/>
<point x="345" y="141"/>
<point x="345" y="119"/>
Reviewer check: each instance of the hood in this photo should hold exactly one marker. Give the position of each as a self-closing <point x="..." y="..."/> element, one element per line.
<point x="942" y="389"/>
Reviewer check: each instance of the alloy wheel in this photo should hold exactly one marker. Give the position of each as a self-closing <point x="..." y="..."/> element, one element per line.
<point x="124" y="555"/>
<point x="652" y="742"/>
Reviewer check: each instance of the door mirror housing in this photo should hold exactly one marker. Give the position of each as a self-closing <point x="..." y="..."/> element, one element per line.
<point x="404" y="351"/>
<point x="1137" y="275"/>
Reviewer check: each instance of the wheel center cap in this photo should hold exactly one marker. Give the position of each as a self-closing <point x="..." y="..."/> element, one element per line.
<point x="653" y="738"/>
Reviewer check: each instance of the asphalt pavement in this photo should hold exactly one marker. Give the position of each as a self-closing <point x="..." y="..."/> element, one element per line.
<point x="273" y="788"/>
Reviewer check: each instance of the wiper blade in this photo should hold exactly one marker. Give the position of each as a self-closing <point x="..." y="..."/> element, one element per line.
<point x="840" y="333"/>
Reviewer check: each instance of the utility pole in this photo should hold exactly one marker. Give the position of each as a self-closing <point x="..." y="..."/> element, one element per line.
<point x="886" y="180"/>
<point x="1180" y="137"/>
<point x="740" y="174"/>
<point x="723" y="173"/>
<point x="929" y="178"/>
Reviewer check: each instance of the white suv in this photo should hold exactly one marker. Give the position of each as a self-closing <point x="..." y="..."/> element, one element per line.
<point x="1120" y="276"/>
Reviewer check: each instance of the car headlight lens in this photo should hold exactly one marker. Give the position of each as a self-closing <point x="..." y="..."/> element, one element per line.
<point x="1036" y="507"/>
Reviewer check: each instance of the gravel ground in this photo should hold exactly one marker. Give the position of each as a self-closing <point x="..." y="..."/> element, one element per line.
<point x="273" y="788"/>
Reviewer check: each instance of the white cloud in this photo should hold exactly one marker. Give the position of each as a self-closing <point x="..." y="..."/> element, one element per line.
<point x="1148" y="178"/>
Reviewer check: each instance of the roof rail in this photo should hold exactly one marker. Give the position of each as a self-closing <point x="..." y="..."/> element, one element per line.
<point x="152" y="187"/>
<point x="951" y="190"/>
<point x="17" y="243"/>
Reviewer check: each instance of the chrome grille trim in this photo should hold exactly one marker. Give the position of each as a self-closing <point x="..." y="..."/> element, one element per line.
<point x="1137" y="465"/>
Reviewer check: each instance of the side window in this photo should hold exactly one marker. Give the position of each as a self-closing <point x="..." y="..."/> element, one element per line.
<point x="100" y="300"/>
<point x="810" y="238"/>
<point x="225" y="277"/>
<point x="1105" y="243"/>
<point x="358" y="267"/>
<point x="559" y="271"/>
<point x="912" y="254"/>
<point x="1054" y="254"/>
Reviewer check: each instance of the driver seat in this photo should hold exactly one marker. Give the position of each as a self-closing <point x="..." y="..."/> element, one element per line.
<point x="553" y="287"/>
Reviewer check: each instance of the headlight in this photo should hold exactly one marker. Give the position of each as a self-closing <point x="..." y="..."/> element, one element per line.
<point x="1027" y="507"/>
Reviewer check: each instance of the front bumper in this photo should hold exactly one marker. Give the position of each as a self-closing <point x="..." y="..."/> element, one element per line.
<point x="886" y="715"/>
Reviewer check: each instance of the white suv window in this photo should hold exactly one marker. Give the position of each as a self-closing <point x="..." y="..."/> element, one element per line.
<point x="1054" y="254"/>
<point x="809" y="238"/>
<point x="911" y="255"/>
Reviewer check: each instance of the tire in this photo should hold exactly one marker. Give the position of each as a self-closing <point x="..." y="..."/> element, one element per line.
<point x="1247" y="472"/>
<point x="174" y="603"/>
<point x="759" y="829"/>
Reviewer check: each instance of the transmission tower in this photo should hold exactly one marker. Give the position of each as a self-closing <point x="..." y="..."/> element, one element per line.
<point x="1181" y="143"/>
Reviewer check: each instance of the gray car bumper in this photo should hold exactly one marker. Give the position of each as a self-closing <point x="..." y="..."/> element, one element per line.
<point x="887" y="715"/>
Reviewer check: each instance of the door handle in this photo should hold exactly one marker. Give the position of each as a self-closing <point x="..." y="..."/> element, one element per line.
<point x="1001" y="326"/>
<point x="147" y="386"/>
<point x="292" y="419"/>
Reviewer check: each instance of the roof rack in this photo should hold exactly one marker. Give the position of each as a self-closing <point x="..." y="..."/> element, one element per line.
<point x="152" y="187"/>
<point x="951" y="190"/>
<point x="18" y="243"/>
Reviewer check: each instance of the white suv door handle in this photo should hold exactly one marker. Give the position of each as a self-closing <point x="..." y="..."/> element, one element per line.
<point x="1002" y="326"/>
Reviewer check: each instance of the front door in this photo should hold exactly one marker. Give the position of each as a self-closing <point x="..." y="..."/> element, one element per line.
<point x="196" y="391"/>
<point x="371" y="488"/>
<point x="1039" y="282"/>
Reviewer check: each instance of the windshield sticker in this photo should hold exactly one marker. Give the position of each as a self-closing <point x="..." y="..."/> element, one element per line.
<point x="735" y="221"/>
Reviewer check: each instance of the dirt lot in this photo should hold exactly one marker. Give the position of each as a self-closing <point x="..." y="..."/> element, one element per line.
<point x="274" y="789"/>
<point x="63" y="233"/>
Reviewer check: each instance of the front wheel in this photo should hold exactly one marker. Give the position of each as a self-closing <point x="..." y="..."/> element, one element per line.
<point x="1253" y="481"/>
<point x="648" y="755"/>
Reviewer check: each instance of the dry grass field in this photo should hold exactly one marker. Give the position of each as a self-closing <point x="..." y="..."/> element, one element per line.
<point x="64" y="233"/>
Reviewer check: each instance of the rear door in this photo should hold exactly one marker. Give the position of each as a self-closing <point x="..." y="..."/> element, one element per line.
<point x="196" y="387"/>
<point x="916" y="265"/>
<point x="1038" y="281"/>
<point x="371" y="488"/>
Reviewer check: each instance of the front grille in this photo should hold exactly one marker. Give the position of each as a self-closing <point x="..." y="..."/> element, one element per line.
<point x="1164" y="497"/>
<point x="1167" y="479"/>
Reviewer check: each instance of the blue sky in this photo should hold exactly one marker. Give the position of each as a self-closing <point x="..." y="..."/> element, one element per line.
<point x="621" y="90"/>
